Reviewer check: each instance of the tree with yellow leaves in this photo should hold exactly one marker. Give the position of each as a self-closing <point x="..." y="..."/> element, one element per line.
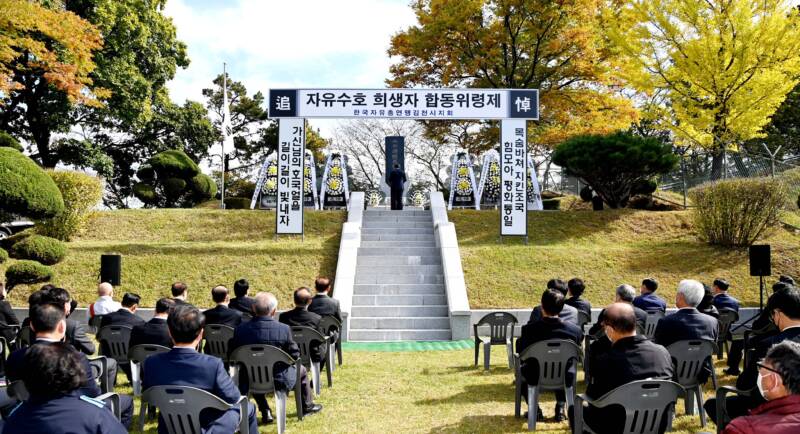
<point x="724" y="65"/>
<point x="555" y="46"/>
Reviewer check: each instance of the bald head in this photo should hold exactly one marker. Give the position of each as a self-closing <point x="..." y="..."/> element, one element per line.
<point x="105" y="289"/>
<point x="265" y="304"/>
<point x="620" y="321"/>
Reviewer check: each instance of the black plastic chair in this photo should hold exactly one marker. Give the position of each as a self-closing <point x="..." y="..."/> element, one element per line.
<point x="726" y="318"/>
<point x="10" y="330"/>
<point x="645" y="403"/>
<point x="333" y="328"/>
<point x="499" y="324"/>
<point x="307" y="339"/>
<point x="259" y="363"/>
<point x="24" y="338"/>
<point x="653" y="317"/>
<point x="583" y="319"/>
<point x="690" y="358"/>
<point x="722" y="412"/>
<point x="4" y="351"/>
<point x="554" y="357"/>
<point x="216" y="339"/>
<point x="100" y="373"/>
<point x="114" y="342"/>
<point x="137" y="355"/>
<point x="94" y="323"/>
<point x="180" y="407"/>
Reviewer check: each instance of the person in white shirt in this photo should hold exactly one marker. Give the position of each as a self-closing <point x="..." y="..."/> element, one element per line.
<point x="105" y="304"/>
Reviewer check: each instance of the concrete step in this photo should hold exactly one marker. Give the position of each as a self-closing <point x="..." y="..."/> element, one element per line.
<point x="399" y="260"/>
<point x="399" y="335"/>
<point x="399" y="289"/>
<point x="400" y="323"/>
<point x="386" y="244"/>
<point x="399" y="300"/>
<point x="398" y="311"/>
<point x="400" y="218"/>
<point x="398" y="231"/>
<point x="396" y="237"/>
<point x="400" y="269"/>
<point x="399" y="251"/>
<point x="395" y="224"/>
<point x="389" y="213"/>
<point x="405" y="279"/>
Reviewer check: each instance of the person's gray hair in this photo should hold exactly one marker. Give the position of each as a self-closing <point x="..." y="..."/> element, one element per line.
<point x="265" y="303"/>
<point x="626" y="292"/>
<point x="692" y="291"/>
<point x="785" y="358"/>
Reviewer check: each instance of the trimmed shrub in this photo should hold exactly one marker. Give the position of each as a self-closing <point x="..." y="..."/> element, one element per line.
<point x="612" y="165"/>
<point x="8" y="141"/>
<point x="174" y="187"/>
<point x="27" y="273"/>
<point x="737" y="212"/>
<point x="25" y="188"/>
<point x="644" y="187"/>
<point x="237" y="203"/>
<point x="240" y="188"/>
<point x="144" y="192"/>
<point x="9" y="242"/>
<point x="171" y="179"/>
<point x="81" y="193"/>
<point x="173" y="164"/>
<point x="3" y="256"/>
<point x="48" y="251"/>
<point x="551" y="204"/>
<point x="203" y="188"/>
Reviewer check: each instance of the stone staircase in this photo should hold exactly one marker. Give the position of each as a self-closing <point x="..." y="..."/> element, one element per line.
<point x="399" y="291"/>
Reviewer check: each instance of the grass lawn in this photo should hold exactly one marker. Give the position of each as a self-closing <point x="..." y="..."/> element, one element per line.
<point x="427" y="392"/>
<point x="605" y="249"/>
<point x="202" y="247"/>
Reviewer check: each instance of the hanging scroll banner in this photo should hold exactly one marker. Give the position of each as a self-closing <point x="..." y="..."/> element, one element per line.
<point x="513" y="187"/>
<point x="291" y="152"/>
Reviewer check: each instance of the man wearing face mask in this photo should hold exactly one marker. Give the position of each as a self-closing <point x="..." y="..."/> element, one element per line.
<point x="779" y="383"/>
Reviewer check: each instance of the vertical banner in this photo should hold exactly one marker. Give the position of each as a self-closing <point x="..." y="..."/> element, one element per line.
<point x="291" y="153"/>
<point x="513" y="162"/>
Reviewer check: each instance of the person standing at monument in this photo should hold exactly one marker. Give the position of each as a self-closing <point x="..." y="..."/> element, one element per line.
<point x="397" y="181"/>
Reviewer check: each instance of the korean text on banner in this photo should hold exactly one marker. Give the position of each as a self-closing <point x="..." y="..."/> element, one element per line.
<point x="291" y="151"/>
<point x="513" y="188"/>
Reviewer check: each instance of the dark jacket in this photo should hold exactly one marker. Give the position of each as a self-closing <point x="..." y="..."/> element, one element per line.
<point x="397" y="179"/>
<point x="76" y="336"/>
<point x="221" y="314"/>
<point x="725" y="301"/>
<point x="242" y="304"/>
<point x="122" y="317"/>
<point x="7" y="317"/>
<point x="629" y="359"/>
<point x="781" y="416"/>
<point x="323" y="305"/>
<point x="15" y="368"/>
<point x="542" y="330"/>
<point x="649" y="302"/>
<point x="581" y="304"/>
<point x="685" y="324"/>
<point x="747" y="380"/>
<point x="299" y="317"/>
<point x="568" y="314"/>
<point x="267" y="331"/>
<point x="153" y="332"/>
<point x="64" y="414"/>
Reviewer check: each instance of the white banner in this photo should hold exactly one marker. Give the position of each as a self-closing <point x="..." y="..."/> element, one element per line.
<point x="291" y="151"/>
<point x="513" y="187"/>
<point x="405" y="103"/>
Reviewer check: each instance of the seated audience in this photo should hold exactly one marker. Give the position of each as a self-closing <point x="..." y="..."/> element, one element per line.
<point x="263" y="329"/>
<point x="221" y="313"/>
<point x="180" y="293"/>
<point x="723" y="300"/>
<point x="575" y="288"/>
<point x="568" y="313"/>
<point x="241" y="302"/>
<point x="57" y="405"/>
<point x="631" y="357"/>
<point x="649" y="301"/>
<point x="7" y="316"/>
<point x="687" y="322"/>
<point x="789" y="280"/>
<point x="323" y="304"/>
<point x="624" y="294"/>
<point x="184" y="366"/>
<point x="49" y="324"/>
<point x="301" y="317"/>
<point x="126" y="315"/>
<point x="105" y="303"/>
<point x="706" y="305"/>
<point x="779" y="384"/>
<point x="783" y="307"/>
<point x="76" y="332"/>
<point x="155" y="331"/>
<point x="550" y="326"/>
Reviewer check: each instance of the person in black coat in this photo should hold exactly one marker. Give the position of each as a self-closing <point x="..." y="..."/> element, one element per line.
<point x="7" y="316"/>
<point x="323" y="304"/>
<point x="706" y="305"/>
<point x="550" y="326"/>
<point x="221" y="313"/>
<point x="648" y="301"/>
<point x="397" y="183"/>
<point x="301" y="317"/>
<point x="631" y="357"/>
<point x="263" y="329"/>
<point x="155" y="331"/>
<point x="575" y="288"/>
<point x="126" y="316"/>
<point x="687" y="323"/>
<point x="567" y="314"/>
<point x="76" y="332"/>
<point x="241" y="302"/>
<point x="180" y="293"/>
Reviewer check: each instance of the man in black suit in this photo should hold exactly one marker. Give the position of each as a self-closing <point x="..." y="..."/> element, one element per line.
<point x="631" y="357"/>
<point x="323" y="304"/>
<point x="625" y="294"/>
<point x="241" y="302"/>
<point x="301" y="317"/>
<point x="126" y="315"/>
<point x="76" y="332"/>
<point x="397" y="183"/>
<point x="155" y="331"/>
<point x="263" y="329"/>
<point x="783" y="309"/>
<point x="7" y="316"/>
<point x="550" y="326"/>
<point x="184" y="366"/>
<point x="687" y="323"/>
<point x="221" y="313"/>
<point x="575" y="288"/>
<point x="180" y="293"/>
<point x="568" y="313"/>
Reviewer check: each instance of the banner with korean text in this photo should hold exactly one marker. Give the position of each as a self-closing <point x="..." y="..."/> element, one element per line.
<point x="291" y="152"/>
<point x="513" y="178"/>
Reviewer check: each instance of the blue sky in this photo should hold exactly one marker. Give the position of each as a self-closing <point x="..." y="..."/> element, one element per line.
<point x="289" y="43"/>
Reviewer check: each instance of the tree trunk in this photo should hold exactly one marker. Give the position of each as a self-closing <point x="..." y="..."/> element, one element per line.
<point x="717" y="164"/>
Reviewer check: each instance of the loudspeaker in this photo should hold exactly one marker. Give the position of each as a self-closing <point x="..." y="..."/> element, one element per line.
<point x="760" y="262"/>
<point x="111" y="269"/>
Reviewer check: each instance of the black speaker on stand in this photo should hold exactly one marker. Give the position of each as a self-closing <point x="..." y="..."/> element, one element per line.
<point x="111" y="269"/>
<point x="760" y="265"/>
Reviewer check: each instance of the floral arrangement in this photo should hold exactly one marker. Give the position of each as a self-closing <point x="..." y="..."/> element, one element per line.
<point x="463" y="185"/>
<point x="271" y="183"/>
<point x="419" y="199"/>
<point x="334" y="185"/>
<point x="374" y="198"/>
<point x="491" y="188"/>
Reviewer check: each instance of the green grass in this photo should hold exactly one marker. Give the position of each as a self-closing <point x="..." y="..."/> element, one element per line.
<point x="605" y="249"/>
<point x="202" y="247"/>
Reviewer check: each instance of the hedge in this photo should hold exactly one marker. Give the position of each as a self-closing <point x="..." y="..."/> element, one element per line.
<point x="8" y="141"/>
<point x="237" y="203"/>
<point x="3" y="256"/>
<point x="551" y="204"/>
<point x="174" y="163"/>
<point x="48" y="251"/>
<point x="27" y="273"/>
<point x="25" y="188"/>
<point x="81" y="194"/>
<point x="9" y="242"/>
<point x="203" y="187"/>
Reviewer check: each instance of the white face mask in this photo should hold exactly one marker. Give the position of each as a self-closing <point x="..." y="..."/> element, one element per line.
<point x="760" y="385"/>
